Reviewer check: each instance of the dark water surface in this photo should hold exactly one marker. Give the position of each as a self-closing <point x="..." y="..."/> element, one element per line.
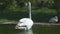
<point x="36" y="29"/>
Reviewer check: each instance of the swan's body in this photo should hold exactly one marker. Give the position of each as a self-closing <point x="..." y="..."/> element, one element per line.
<point x="54" y="19"/>
<point x="25" y="23"/>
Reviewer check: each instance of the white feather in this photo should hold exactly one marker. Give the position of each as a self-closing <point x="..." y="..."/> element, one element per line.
<point x="54" y="19"/>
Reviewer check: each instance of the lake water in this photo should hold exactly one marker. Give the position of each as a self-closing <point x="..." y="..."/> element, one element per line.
<point x="36" y="29"/>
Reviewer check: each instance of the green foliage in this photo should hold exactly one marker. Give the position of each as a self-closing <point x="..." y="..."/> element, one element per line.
<point x="12" y="4"/>
<point x="14" y="11"/>
<point x="38" y="15"/>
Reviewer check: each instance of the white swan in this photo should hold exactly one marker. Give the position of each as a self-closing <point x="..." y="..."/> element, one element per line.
<point x="25" y="23"/>
<point x="54" y="19"/>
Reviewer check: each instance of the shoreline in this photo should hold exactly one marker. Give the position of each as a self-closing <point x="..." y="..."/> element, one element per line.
<point x="35" y="23"/>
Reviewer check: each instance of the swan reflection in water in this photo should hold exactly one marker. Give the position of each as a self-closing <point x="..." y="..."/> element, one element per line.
<point x="26" y="32"/>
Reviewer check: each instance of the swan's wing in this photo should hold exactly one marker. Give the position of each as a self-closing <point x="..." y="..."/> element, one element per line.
<point x="53" y="20"/>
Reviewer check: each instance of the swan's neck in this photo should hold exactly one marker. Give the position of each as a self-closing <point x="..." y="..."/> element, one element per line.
<point x="29" y="9"/>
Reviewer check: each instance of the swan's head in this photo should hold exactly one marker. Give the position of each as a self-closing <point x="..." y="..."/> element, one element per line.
<point x="26" y="4"/>
<point x="56" y="17"/>
<point x="24" y="23"/>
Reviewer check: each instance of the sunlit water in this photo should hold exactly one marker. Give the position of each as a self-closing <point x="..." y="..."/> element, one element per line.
<point x="36" y="29"/>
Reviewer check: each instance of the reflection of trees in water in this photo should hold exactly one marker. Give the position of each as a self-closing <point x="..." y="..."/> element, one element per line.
<point x="26" y="32"/>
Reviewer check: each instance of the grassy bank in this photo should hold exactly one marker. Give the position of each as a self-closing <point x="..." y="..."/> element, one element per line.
<point x="38" y="15"/>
